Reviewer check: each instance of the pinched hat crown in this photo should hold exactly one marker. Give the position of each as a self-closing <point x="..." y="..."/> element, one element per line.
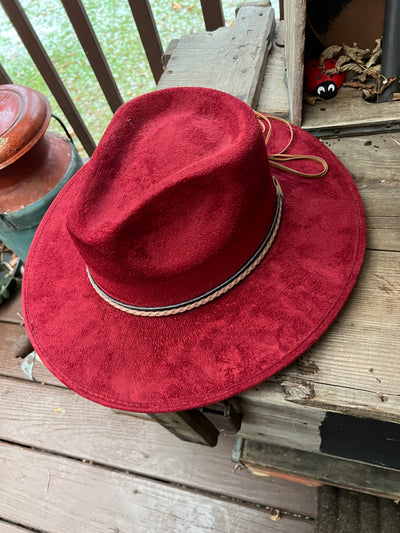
<point x="181" y="198"/>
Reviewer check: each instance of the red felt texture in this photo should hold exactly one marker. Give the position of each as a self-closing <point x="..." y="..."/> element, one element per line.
<point x="163" y="212"/>
<point x="164" y="158"/>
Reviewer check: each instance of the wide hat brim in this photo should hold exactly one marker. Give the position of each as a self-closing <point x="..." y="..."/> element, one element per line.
<point x="216" y="351"/>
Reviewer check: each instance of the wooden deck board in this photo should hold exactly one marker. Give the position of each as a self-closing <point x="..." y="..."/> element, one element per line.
<point x="11" y="310"/>
<point x="349" y="109"/>
<point x="55" y="494"/>
<point x="60" y="421"/>
<point x="12" y="528"/>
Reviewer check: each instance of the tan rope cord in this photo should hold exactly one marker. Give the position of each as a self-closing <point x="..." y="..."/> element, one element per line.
<point x="214" y="295"/>
<point x="277" y="160"/>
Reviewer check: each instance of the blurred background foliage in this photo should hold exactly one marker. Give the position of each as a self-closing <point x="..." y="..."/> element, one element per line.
<point x="116" y="31"/>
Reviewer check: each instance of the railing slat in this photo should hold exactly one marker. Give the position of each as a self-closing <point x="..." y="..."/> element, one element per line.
<point x="213" y="14"/>
<point x="35" y="48"/>
<point x="85" y="33"/>
<point x="4" y="77"/>
<point x="149" y="36"/>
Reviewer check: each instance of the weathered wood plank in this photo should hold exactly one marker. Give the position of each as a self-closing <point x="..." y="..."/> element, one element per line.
<point x="360" y="350"/>
<point x="243" y="63"/>
<point x="11" y="365"/>
<point x="349" y="110"/>
<point x="11" y="310"/>
<point x="229" y="59"/>
<point x="331" y="470"/>
<point x="295" y="19"/>
<point x="273" y="98"/>
<point x="190" y="426"/>
<point x="289" y="413"/>
<point x="373" y="161"/>
<point x="60" y="421"/>
<point x="40" y="489"/>
<point x="11" y="528"/>
<point x="383" y="233"/>
<point x="278" y="421"/>
<point x="196" y="59"/>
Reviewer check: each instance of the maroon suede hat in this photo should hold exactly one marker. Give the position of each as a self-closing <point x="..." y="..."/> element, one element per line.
<point x="182" y="264"/>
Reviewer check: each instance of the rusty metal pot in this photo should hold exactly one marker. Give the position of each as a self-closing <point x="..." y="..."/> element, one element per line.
<point x="34" y="164"/>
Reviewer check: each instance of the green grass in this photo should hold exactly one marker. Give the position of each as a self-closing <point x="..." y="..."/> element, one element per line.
<point x="116" y="31"/>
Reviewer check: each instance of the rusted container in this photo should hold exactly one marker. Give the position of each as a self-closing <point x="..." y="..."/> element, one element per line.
<point x="34" y="164"/>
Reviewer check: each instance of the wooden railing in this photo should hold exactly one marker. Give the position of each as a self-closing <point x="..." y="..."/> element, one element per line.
<point x="144" y="20"/>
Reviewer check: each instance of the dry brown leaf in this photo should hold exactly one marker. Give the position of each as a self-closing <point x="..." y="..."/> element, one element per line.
<point x="355" y="53"/>
<point x="351" y="67"/>
<point x="378" y="45"/>
<point x="329" y="53"/>
<point x="367" y="93"/>
<point x="373" y="72"/>
<point x="175" y="5"/>
<point x="311" y="99"/>
<point x="341" y="61"/>
<point x="356" y="85"/>
<point x="361" y="77"/>
<point x="362" y="52"/>
<point x="374" y="58"/>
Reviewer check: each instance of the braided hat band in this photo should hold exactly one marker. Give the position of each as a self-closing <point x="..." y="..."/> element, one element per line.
<point x="211" y="295"/>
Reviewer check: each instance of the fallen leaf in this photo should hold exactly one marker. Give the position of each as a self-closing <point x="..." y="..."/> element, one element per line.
<point x="341" y="61"/>
<point x="175" y="5"/>
<point x="378" y="45"/>
<point x="329" y="53"/>
<point x="311" y="99"/>
<point x="373" y="59"/>
<point x="352" y="67"/>
<point x="373" y="71"/>
<point x="357" y="85"/>
<point x="368" y="93"/>
<point x="356" y="54"/>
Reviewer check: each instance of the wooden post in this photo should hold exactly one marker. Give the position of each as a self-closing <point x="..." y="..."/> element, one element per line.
<point x="295" y="18"/>
<point x="191" y="426"/>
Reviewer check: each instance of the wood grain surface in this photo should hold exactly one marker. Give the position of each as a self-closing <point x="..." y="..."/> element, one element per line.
<point x="56" y="494"/>
<point x="60" y="421"/>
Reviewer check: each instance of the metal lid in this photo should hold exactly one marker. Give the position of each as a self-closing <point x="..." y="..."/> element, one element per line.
<point x="24" y="117"/>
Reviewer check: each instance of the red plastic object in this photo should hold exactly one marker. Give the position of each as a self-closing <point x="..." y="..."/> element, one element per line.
<point x="318" y="83"/>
